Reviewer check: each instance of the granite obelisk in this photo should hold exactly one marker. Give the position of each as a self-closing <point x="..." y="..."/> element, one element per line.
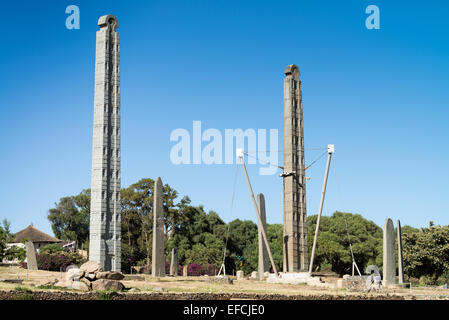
<point x="105" y="228"/>
<point x="389" y="262"/>
<point x="158" y="256"/>
<point x="295" y="227"/>
<point x="264" y="260"/>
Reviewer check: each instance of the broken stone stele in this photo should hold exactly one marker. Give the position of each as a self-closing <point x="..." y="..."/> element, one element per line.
<point x="263" y="263"/>
<point x="174" y="262"/>
<point x="105" y="225"/>
<point x="295" y="226"/>
<point x="158" y="257"/>
<point x="31" y="256"/>
<point x="400" y="259"/>
<point x="389" y="263"/>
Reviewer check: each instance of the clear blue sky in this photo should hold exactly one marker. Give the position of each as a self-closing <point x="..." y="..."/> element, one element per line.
<point x="381" y="96"/>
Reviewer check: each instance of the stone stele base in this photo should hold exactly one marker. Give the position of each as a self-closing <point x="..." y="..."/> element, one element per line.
<point x="298" y="278"/>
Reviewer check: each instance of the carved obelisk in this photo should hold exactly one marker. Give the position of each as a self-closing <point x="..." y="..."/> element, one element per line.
<point x="104" y="238"/>
<point x="264" y="260"/>
<point x="295" y="228"/>
<point x="158" y="256"/>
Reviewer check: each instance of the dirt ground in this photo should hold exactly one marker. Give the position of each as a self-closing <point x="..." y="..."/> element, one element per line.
<point x="198" y="286"/>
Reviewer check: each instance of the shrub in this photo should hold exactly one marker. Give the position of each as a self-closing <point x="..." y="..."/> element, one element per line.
<point x="167" y="267"/>
<point x="58" y="261"/>
<point x="51" y="248"/>
<point x="427" y="280"/>
<point x="145" y="269"/>
<point x="208" y="269"/>
<point x="443" y="279"/>
<point x="52" y="262"/>
<point x="16" y="252"/>
<point x="193" y="270"/>
<point x="25" y="293"/>
<point x="106" y="294"/>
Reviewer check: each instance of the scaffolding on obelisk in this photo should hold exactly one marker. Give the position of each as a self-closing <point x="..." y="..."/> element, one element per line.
<point x="104" y="237"/>
<point x="295" y="227"/>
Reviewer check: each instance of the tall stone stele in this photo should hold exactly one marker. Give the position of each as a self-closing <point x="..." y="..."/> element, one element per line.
<point x="174" y="264"/>
<point x="400" y="259"/>
<point x="263" y="262"/>
<point x="389" y="262"/>
<point x="31" y="256"/>
<point x="105" y="229"/>
<point x="158" y="256"/>
<point x="295" y="251"/>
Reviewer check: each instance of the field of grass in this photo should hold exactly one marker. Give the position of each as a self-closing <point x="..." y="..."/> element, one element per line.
<point x="36" y="280"/>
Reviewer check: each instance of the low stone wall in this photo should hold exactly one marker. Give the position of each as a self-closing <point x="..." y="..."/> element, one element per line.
<point x="58" y="295"/>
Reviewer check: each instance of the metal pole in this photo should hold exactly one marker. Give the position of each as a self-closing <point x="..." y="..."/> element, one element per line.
<point x="264" y="235"/>
<point x="330" y="150"/>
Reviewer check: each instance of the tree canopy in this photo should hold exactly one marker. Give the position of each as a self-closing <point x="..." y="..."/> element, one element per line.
<point x="200" y="236"/>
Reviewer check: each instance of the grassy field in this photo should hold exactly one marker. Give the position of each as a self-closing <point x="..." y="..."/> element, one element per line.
<point x="33" y="280"/>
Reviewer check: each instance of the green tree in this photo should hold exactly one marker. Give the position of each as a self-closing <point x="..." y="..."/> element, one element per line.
<point x="426" y="252"/>
<point x="336" y="233"/>
<point x="137" y="218"/>
<point x="70" y="217"/>
<point x="5" y="236"/>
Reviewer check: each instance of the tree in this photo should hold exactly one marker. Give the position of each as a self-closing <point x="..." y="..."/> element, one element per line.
<point x="137" y="217"/>
<point x="5" y="237"/>
<point x="336" y="233"/>
<point x="426" y="252"/>
<point x="70" y="217"/>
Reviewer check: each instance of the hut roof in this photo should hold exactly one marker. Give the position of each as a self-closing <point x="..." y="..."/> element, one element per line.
<point x="32" y="234"/>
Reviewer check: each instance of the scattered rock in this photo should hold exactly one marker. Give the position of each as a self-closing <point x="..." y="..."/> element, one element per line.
<point x="87" y="282"/>
<point x="51" y="282"/>
<point x="62" y="284"/>
<point x="110" y="275"/>
<point x="91" y="276"/>
<point x="221" y="279"/>
<point x="340" y="283"/>
<point x="133" y="278"/>
<point x="79" y="285"/>
<point x="73" y="274"/>
<point x="158" y="289"/>
<point x="105" y="284"/>
<point x="91" y="267"/>
<point x="254" y="275"/>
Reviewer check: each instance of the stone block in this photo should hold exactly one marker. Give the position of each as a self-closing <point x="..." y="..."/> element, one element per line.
<point x="110" y="275"/>
<point x="91" y="267"/>
<point x="105" y="284"/>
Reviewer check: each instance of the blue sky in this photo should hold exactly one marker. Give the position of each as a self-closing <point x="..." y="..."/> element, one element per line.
<point x="381" y="96"/>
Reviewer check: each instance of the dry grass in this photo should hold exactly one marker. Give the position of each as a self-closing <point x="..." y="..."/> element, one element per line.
<point x="199" y="285"/>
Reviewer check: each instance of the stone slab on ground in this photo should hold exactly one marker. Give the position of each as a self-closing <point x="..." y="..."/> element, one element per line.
<point x="105" y="284"/>
<point x="110" y="275"/>
<point x="298" y="278"/>
<point x="131" y="277"/>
